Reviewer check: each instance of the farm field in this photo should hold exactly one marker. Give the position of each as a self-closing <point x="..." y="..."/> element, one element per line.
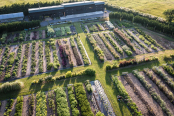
<point x="59" y="57"/>
<point x="77" y="99"/>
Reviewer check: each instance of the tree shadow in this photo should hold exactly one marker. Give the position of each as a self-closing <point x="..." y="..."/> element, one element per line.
<point x="9" y="95"/>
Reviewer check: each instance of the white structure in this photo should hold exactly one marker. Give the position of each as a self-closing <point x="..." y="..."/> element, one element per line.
<point x="11" y="17"/>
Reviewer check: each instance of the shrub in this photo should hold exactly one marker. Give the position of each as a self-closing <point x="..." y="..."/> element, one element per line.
<point x="8" y="107"/>
<point x="13" y="86"/>
<point x="19" y="106"/>
<point x="99" y="114"/>
<point x="90" y="72"/>
<point x="88" y="86"/>
<point x="68" y="74"/>
<point x="50" y="31"/>
<point x="108" y="67"/>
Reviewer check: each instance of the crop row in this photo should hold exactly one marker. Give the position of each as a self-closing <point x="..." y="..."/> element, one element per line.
<point x="127" y="50"/>
<point x="76" y="54"/>
<point x="40" y="56"/>
<point x="99" y="27"/>
<point x="58" y="32"/>
<point x="19" y="106"/>
<point x="82" y="51"/>
<point x="112" y="42"/>
<point x="8" y="107"/>
<point x="31" y="104"/>
<point x="98" y="51"/>
<point x="68" y="54"/>
<point x="152" y="92"/>
<point x="163" y="76"/>
<point x="41" y="108"/>
<point x="107" y="44"/>
<point x="84" y="28"/>
<point x="61" y="101"/>
<point x="61" y="49"/>
<point x="122" y="92"/>
<point x="17" y="61"/>
<point x="161" y="86"/>
<point x="73" y="101"/>
<point x="47" y="55"/>
<point x="92" y="28"/>
<point x="82" y="100"/>
<point x="169" y="69"/>
<point x="128" y="42"/>
<point x="51" y="103"/>
<point x="102" y="46"/>
<point x="33" y="60"/>
<point x="56" y="59"/>
<point x="25" y="59"/>
<point x="68" y="31"/>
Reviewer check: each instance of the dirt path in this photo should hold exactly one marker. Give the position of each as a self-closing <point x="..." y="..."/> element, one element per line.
<point x="25" y="106"/>
<point x="35" y="102"/>
<point x="49" y="110"/>
<point x="13" y="108"/>
<point x="21" y="60"/>
<point x="44" y="58"/>
<point x="152" y="103"/>
<point x="169" y="105"/>
<point x="58" y="54"/>
<point x="2" y="53"/>
<point x="67" y="96"/>
<point x="141" y="106"/>
<point x="51" y="57"/>
<point x="29" y="60"/>
<point x="37" y="58"/>
<point x="43" y="34"/>
<point x="67" y="60"/>
<point x="78" y="51"/>
<point x="71" y="52"/>
<point x="2" y="108"/>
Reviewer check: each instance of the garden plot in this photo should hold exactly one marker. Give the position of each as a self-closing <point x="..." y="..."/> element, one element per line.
<point x="29" y="60"/>
<point x="58" y="54"/>
<point x="44" y="59"/>
<point x="51" y="57"/>
<point x="101" y="99"/>
<point x="37" y="58"/>
<point x="2" y="53"/>
<point x="16" y="37"/>
<point x="58" y="32"/>
<point x="105" y="26"/>
<point x="92" y="28"/>
<point x="73" y="30"/>
<point x="103" y="47"/>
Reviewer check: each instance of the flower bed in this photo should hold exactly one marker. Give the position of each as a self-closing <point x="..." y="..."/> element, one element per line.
<point x="152" y="92"/>
<point x="50" y="31"/>
<point x="47" y="55"/>
<point x="61" y="101"/>
<point x="40" y="57"/>
<point x="82" y="51"/>
<point x="115" y="38"/>
<point x="73" y="101"/>
<point x="68" y="54"/>
<point x="25" y="59"/>
<point x="166" y="79"/>
<point x="127" y="50"/>
<point x="82" y="100"/>
<point x="169" y="69"/>
<point x="102" y="46"/>
<point x="8" y="107"/>
<point x="92" y="28"/>
<point x="84" y="28"/>
<point x="61" y="49"/>
<point x="67" y="29"/>
<point x="76" y="55"/>
<point x="161" y="86"/>
<point x="41" y="107"/>
<point x="98" y="51"/>
<point x="128" y="42"/>
<point x="62" y="31"/>
<point x="19" y="106"/>
<point x="58" y="32"/>
<point x="99" y="27"/>
<point x="112" y="42"/>
<point x="108" y="46"/>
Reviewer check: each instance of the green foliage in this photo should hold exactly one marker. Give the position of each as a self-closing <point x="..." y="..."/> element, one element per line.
<point x="67" y="29"/>
<point x="19" y="106"/>
<point x="99" y="114"/>
<point x="61" y="101"/>
<point x="82" y="100"/>
<point x="169" y="14"/>
<point x="68" y="74"/>
<point x="50" y="31"/>
<point x="13" y="86"/>
<point x="90" y="72"/>
<point x="51" y="97"/>
<point x="40" y="57"/>
<point x="88" y="86"/>
<point x="31" y="104"/>
<point x="8" y="107"/>
<point x="41" y="107"/>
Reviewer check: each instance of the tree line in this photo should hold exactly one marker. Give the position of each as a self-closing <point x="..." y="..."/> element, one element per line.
<point x="18" y="26"/>
<point x="154" y="24"/>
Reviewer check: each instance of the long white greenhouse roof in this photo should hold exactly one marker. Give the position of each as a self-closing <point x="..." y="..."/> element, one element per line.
<point x="57" y="7"/>
<point x="11" y="15"/>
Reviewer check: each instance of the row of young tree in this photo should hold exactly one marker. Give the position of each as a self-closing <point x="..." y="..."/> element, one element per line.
<point x="18" y="26"/>
<point x="23" y="7"/>
<point x="154" y="24"/>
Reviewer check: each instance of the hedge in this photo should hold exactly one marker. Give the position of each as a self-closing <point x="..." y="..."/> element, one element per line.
<point x="18" y="26"/>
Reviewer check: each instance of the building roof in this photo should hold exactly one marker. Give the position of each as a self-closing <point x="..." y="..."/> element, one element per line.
<point x="11" y="16"/>
<point x="78" y="4"/>
<point x="41" y="9"/>
<point x="98" y="2"/>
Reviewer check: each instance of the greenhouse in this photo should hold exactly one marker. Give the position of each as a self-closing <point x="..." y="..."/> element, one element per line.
<point x="11" y="17"/>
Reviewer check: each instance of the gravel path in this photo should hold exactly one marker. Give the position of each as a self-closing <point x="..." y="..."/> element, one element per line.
<point x="20" y="63"/>
<point x="141" y="106"/>
<point x="152" y="103"/>
<point x="44" y="59"/>
<point x="25" y="106"/>
<point x="37" y="58"/>
<point x="29" y="60"/>
<point x="169" y="105"/>
<point x="2" y="109"/>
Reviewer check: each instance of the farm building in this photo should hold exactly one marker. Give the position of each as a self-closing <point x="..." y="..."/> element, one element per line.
<point x="65" y="9"/>
<point x="11" y="17"/>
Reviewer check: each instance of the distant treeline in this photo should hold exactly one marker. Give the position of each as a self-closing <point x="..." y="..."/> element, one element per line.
<point x="18" y="26"/>
<point x="145" y="20"/>
<point x="23" y="7"/>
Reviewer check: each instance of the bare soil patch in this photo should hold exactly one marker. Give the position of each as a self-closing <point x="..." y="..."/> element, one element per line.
<point x="78" y="51"/>
<point x="37" y="58"/>
<point x="20" y="63"/>
<point x="2" y="108"/>
<point x="43" y="34"/>
<point x="44" y="59"/>
<point x="25" y="106"/>
<point x="13" y="108"/>
<point x="29" y="60"/>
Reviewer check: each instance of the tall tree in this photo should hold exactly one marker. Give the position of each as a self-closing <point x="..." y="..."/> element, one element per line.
<point x="169" y="14"/>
